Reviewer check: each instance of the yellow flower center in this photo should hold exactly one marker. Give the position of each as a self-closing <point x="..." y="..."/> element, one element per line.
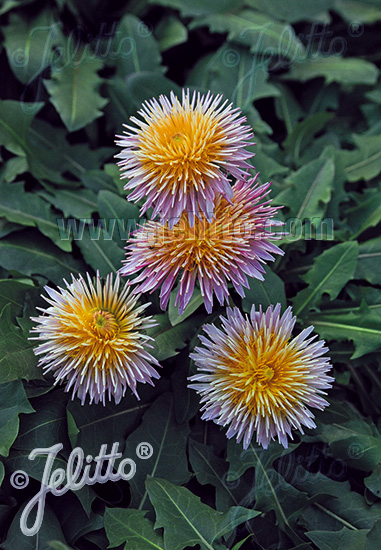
<point x="265" y="374"/>
<point x="104" y="324"/>
<point x="177" y="138"/>
<point x="205" y="245"/>
<point x="176" y="149"/>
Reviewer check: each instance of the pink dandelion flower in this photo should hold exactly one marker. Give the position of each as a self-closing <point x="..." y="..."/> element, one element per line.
<point x="257" y="379"/>
<point x="179" y="156"/>
<point x="93" y="339"/>
<point x="231" y="247"/>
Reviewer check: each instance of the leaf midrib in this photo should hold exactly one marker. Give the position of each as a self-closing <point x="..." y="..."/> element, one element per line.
<point x="112" y="416"/>
<point x="26" y="215"/>
<point x="158" y="454"/>
<point x="322" y="282"/>
<point x="311" y="189"/>
<point x="281" y="511"/>
<point x="135" y="532"/>
<point x="41" y="425"/>
<point x="74" y="96"/>
<point x="193" y="527"/>
<point x="106" y="258"/>
<point x="39" y="253"/>
<point x="364" y="162"/>
<point x="78" y="197"/>
<point x="347" y="327"/>
<point x="6" y="356"/>
<point x="217" y="476"/>
<point x="16" y="136"/>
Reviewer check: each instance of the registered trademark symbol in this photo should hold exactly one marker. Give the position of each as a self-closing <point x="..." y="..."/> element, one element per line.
<point x="355" y="29"/>
<point x="144" y="450"/>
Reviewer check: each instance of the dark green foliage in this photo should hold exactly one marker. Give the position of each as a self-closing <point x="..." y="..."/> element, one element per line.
<point x="306" y="74"/>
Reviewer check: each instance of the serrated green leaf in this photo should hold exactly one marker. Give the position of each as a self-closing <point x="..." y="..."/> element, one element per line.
<point x="272" y="491"/>
<point x="13" y="167"/>
<point x="266" y="165"/>
<point x="355" y="441"/>
<point x="112" y="170"/>
<point x="74" y="519"/>
<point x="29" y="44"/>
<point x="329" y="274"/>
<point x="170" y="340"/>
<point x="364" y="162"/>
<point x="372" y="539"/>
<point x="133" y="528"/>
<point x="12" y="291"/>
<point x="334" y="504"/>
<point x="30" y="209"/>
<point x="369" y="261"/>
<point x="15" y="119"/>
<point x="97" y="180"/>
<point x="113" y="207"/>
<point x="146" y="85"/>
<point x="347" y="71"/>
<point x="30" y="254"/>
<point x="292" y="10"/>
<point x="47" y="424"/>
<point x="362" y="327"/>
<point x="187" y="521"/>
<point x="373" y="482"/>
<point x="120" y="106"/>
<point x="170" y="32"/>
<point x="248" y="76"/>
<point x="111" y="423"/>
<point x="303" y="132"/>
<point x="79" y="203"/>
<point x="99" y="250"/>
<point x="6" y="228"/>
<point x="13" y="402"/>
<point x="168" y="440"/>
<point x="211" y="469"/>
<point x="53" y="156"/>
<point x="50" y="530"/>
<point x="267" y="292"/>
<point x="73" y="91"/>
<point x="310" y="190"/>
<point x="337" y="540"/>
<point x="17" y="359"/>
<point x="288" y="108"/>
<point x="256" y="30"/>
<point x="136" y="47"/>
<point x="367" y="213"/>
